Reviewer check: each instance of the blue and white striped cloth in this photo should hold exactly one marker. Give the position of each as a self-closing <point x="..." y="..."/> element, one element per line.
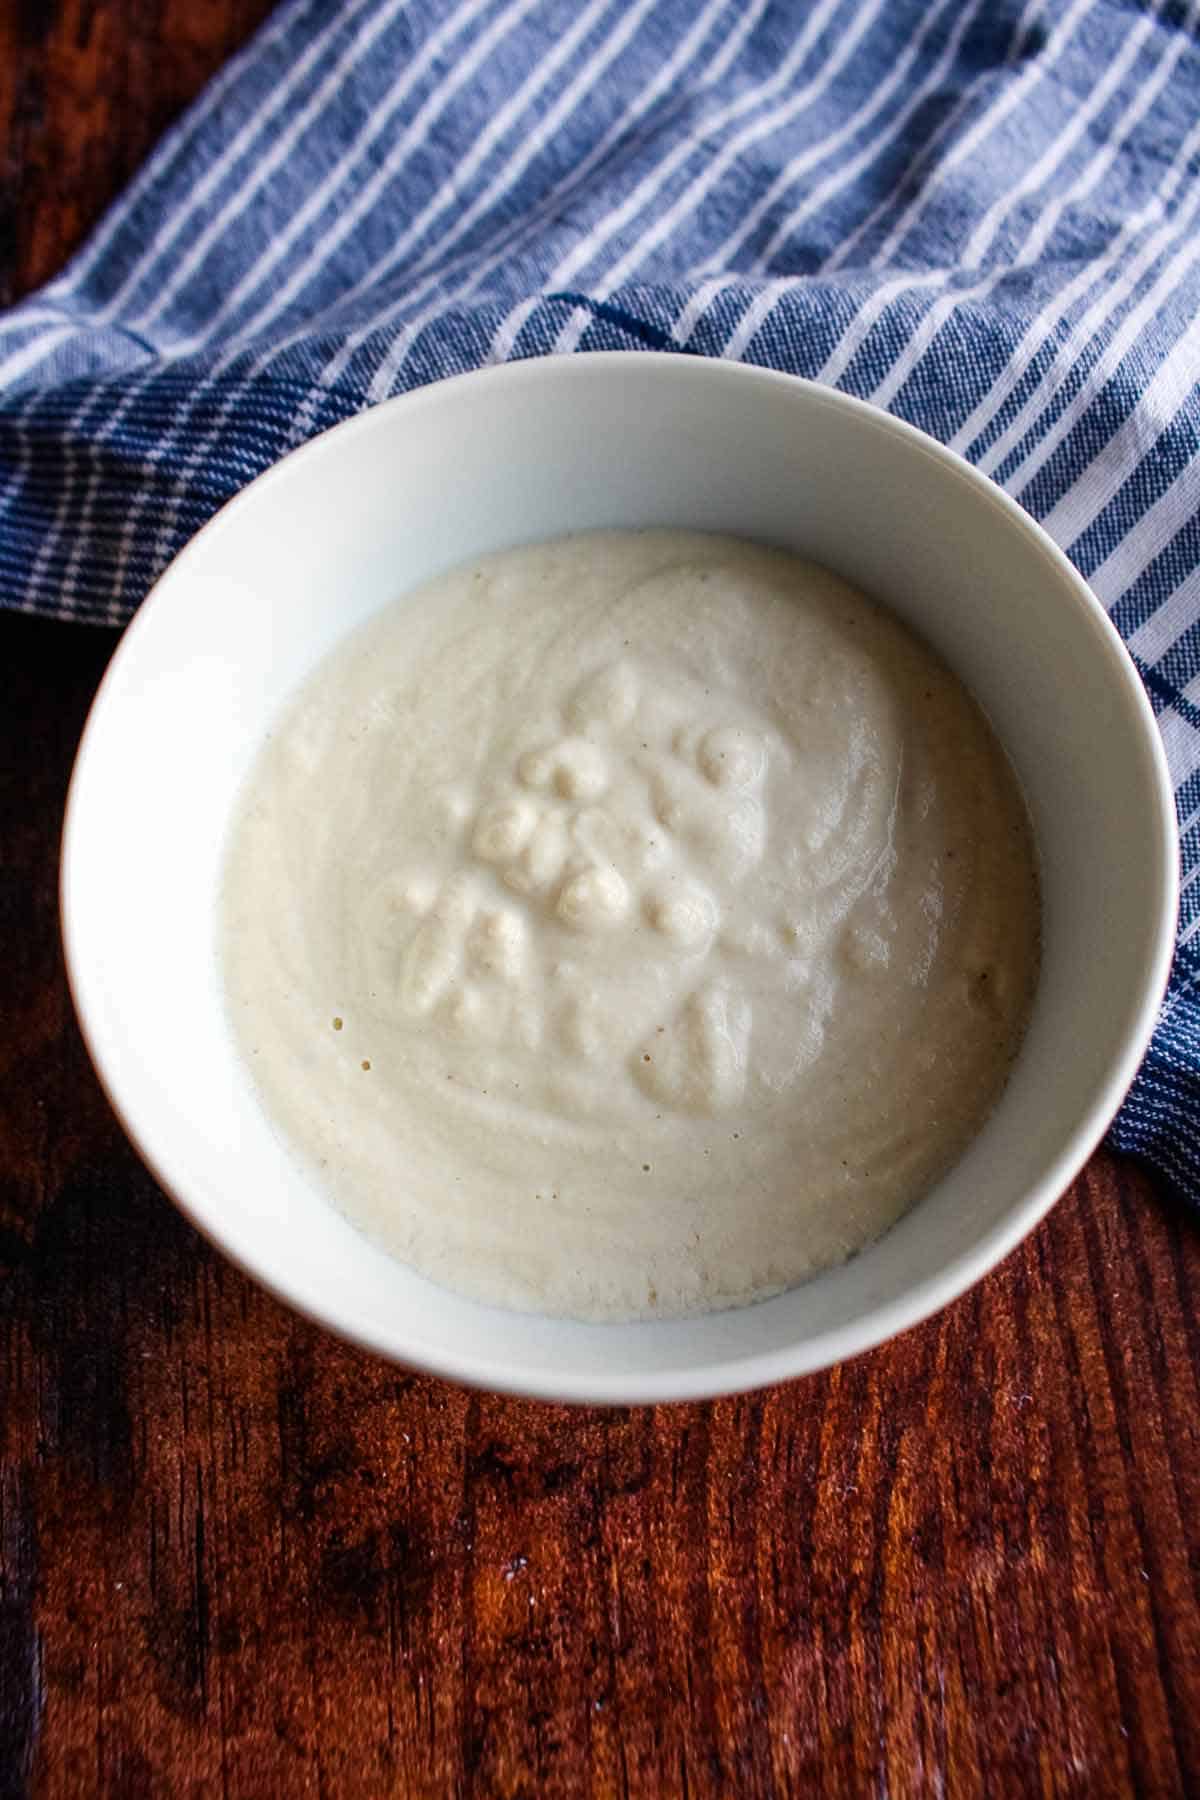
<point x="983" y="214"/>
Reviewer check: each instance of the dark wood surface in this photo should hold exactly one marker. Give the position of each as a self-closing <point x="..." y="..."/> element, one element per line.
<point x="238" y="1558"/>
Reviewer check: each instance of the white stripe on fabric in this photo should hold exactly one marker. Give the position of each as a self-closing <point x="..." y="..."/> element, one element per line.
<point x="1031" y="12"/>
<point x="666" y="224"/>
<point x="1175" y="996"/>
<point x="1080" y="119"/>
<point x="754" y="315"/>
<point x="280" y="150"/>
<point x="1172" y="385"/>
<point x="1154" y="531"/>
<point x="526" y="229"/>
<point x="926" y="158"/>
<point x="1181" y="742"/>
<point x="27" y="314"/>
<point x="734" y="43"/>
<point x="1137" y="549"/>
<point x="160" y="162"/>
<point x="833" y="184"/>
<point x="162" y="452"/>
<point x="984" y="127"/>
<point x="927" y="155"/>
<point x="1188" y="933"/>
<point x="868" y="315"/>
<point x="325" y="194"/>
<point x="268" y="357"/>
<point x="919" y="341"/>
<point x="1114" y="352"/>
<point x="20" y="422"/>
<point x="17" y="364"/>
<point x="1034" y="337"/>
<point x="854" y="166"/>
<point x="507" y="177"/>
<point x="1185" y="825"/>
<point x="589" y="248"/>
<point x="432" y="107"/>
<point x="865" y="319"/>
<point x="1180" y="739"/>
<point x="154" y="458"/>
<point x="1068" y="351"/>
<point x="922" y="337"/>
<point x="506" y="335"/>
<point x="315" y="204"/>
<point x="696" y="308"/>
<point x="819" y="152"/>
<point x="76" y="445"/>
<point x="76" y="273"/>
<point x="1174" y="615"/>
<point x="1114" y="142"/>
<point x="939" y="313"/>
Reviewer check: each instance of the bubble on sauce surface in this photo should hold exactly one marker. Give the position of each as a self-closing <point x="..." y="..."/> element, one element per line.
<point x="580" y="771"/>
<point x="684" y="913"/>
<point x="573" y="768"/>
<point x="593" y="899"/>
<point x="732" y="757"/>
<point x="504" y="828"/>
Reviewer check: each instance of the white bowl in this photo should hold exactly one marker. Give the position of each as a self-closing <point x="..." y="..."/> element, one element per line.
<point x="528" y="451"/>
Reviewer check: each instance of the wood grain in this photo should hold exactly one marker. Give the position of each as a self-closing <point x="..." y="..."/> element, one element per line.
<point x="238" y="1558"/>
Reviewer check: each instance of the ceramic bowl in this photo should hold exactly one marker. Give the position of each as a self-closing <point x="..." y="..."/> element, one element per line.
<point x="528" y="451"/>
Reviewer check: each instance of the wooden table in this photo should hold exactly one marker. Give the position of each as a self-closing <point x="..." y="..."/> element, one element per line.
<point x="238" y="1558"/>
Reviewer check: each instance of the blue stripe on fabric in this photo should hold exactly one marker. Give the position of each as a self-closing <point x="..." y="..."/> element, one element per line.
<point x="640" y="331"/>
<point x="1164" y="693"/>
<point x="1159" y="578"/>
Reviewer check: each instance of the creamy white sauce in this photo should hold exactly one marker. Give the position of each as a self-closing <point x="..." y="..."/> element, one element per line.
<point x="630" y="925"/>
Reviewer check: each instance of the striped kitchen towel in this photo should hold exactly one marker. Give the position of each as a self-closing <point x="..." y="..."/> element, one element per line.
<point x="982" y="214"/>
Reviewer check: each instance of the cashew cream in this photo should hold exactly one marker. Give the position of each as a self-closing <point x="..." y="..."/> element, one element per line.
<point x="630" y="925"/>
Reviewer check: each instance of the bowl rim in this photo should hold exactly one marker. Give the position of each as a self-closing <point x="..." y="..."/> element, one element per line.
<point x="728" y="1374"/>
